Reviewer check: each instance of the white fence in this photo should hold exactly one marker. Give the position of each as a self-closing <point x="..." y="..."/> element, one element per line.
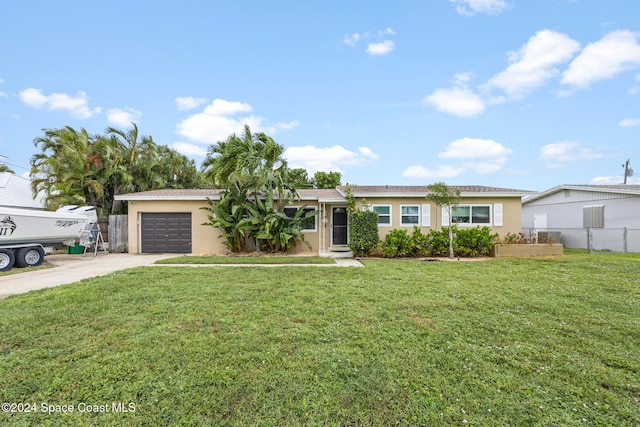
<point x="603" y="239"/>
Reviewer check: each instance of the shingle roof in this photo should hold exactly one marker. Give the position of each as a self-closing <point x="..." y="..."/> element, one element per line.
<point x="421" y="190"/>
<point x="203" y="194"/>
<point x="337" y="194"/>
<point x="172" y="194"/>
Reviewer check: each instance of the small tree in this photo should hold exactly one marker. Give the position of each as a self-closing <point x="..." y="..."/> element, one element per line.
<point x="326" y="179"/>
<point x="448" y="198"/>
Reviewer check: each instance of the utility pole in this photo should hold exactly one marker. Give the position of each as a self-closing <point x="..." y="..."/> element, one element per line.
<point x="627" y="171"/>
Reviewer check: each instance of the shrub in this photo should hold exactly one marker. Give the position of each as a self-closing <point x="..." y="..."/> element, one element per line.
<point x="438" y="242"/>
<point x="397" y="243"/>
<point x="467" y="242"/>
<point x="513" y="239"/>
<point x="420" y="242"/>
<point x="363" y="232"/>
<point x="476" y="241"/>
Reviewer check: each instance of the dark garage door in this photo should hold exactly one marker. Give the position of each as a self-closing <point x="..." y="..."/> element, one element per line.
<point x="166" y="233"/>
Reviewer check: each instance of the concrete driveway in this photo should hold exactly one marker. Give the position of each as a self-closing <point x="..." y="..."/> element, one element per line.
<point x="72" y="268"/>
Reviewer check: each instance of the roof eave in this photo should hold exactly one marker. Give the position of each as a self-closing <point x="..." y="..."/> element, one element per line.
<point x="133" y="197"/>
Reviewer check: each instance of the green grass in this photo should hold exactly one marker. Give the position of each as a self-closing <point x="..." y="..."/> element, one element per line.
<point x="514" y="342"/>
<point x="266" y="259"/>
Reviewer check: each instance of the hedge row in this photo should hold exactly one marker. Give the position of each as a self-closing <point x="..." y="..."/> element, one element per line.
<point x="467" y="242"/>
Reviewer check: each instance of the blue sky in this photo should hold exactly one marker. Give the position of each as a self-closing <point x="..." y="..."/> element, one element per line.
<point x="509" y="93"/>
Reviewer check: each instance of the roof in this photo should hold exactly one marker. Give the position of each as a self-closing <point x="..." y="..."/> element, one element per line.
<point x="172" y="194"/>
<point x="15" y="191"/>
<point x="616" y="189"/>
<point x="332" y="195"/>
<point x="421" y="191"/>
<point x="324" y="195"/>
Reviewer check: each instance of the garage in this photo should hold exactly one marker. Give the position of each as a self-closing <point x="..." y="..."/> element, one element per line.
<point x="167" y="232"/>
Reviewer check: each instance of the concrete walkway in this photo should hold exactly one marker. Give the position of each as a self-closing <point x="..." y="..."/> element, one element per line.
<point x="73" y="268"/>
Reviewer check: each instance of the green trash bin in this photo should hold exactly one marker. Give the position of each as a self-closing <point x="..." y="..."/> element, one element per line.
<point x="76" y="249"/>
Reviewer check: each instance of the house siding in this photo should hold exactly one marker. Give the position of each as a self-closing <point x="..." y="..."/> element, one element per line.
<point x="204" y="238"/>
<point x="511" y="213"/>
<point x="207" y="240"/>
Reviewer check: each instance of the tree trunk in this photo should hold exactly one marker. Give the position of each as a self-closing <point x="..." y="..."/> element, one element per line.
<point x="450" y="241"/>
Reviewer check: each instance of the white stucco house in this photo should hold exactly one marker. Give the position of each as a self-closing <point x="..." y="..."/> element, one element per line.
<point x="604" y="216"/>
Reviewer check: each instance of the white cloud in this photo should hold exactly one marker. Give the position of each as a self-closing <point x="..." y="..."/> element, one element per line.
<point x="4" y="95"/>
<point x="189" y="149"/>
<point x="474" y="148"/>
<point x="368" y="153"/>
<point x="558" y="154"/>
<point x="78" y="107"/>
<point x="381" y="48"/>
<point x="189" y="103"/>
<point x="351" y="40"/>
<point x="328" y="159"/>
<point x="481" y="156"/>
<point x="457" y="101"/>
<point x="629" y="123"/>
<point x="377" y="43"/>
<point x="534" y="63"/>
<point x="442" y="172"/>
<point x="123" y="117"/>
<point x="487" y="166"/>
<point x="220" y="107"/>
<point x="285" y="126"/>
<point x="222" y="118"/>
<point x="614" y="180"/>
<point x="471" y="7"/>
<point x="616" y="52"/>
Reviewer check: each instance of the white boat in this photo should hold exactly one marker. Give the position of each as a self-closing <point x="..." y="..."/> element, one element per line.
<point x="27" y="234"/>
<point x="26" y="226"/>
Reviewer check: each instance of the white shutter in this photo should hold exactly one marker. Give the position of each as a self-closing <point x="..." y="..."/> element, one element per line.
<point x="426" y="215"/>
<point x="497" y="214"/>
<point x="445" y="217"/>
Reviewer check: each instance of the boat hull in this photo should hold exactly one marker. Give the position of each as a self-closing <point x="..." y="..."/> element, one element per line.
<point x="24" y="226"/>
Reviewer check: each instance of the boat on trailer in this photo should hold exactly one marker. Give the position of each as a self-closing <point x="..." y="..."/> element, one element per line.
<point x="27" y="234"/>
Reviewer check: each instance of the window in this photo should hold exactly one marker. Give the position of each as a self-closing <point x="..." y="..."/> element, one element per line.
<point x="471" y="214"/>
<point x="384" y="214"/>
<point x="409" y="214"/>
<point x="309" y="223"/>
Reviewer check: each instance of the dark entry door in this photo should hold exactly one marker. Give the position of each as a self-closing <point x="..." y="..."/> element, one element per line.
<point x="166" y="233"/>
<point x="339" y="226"/>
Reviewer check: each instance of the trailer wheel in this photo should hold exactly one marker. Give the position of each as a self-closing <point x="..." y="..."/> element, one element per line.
<point x="30" y="257"/>
<point x="7" y="259"/>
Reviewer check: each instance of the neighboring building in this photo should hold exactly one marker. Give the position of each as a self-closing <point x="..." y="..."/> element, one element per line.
<point x="171" y="220"/>
<point x="587" y="216"/>
<point x="16" y="192"/>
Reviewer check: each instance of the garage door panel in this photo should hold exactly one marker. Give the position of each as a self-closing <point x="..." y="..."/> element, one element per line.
<point x="166" y="232"/>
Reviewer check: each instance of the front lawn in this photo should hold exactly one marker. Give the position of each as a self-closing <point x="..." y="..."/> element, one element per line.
<point x="400" y="342"/>
<point x="243" y="259"/>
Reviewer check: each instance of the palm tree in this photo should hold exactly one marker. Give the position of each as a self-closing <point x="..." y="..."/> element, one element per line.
<point x="140" y="155"/>
<point x="67" y="169"/>
<point x="5" y="168"/>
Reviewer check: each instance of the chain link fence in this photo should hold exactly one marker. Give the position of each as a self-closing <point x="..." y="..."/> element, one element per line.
<point x="621" y="240"/>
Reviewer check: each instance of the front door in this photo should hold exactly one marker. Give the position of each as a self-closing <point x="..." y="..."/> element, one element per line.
<point x="338" y="226"/>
